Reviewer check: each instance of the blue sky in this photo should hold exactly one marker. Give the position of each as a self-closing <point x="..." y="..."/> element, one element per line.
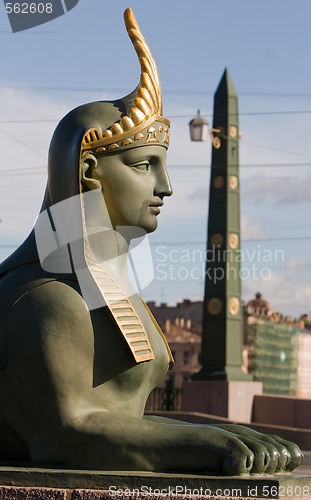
<point x="86" y="55"/>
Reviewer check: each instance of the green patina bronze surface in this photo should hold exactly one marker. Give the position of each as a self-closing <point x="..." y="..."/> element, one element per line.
<point x="72" y="392"/>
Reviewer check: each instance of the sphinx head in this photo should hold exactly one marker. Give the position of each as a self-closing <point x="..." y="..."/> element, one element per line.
<point x="118" y="146"/>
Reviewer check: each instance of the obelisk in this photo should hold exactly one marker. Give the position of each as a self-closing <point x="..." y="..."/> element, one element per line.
<point x="221" y="387"/>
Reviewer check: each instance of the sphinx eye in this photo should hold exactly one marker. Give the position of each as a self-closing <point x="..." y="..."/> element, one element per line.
<point x="142" y="166"/>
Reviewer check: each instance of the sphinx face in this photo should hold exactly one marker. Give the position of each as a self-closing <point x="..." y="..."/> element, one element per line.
<point x="134" y="183"/>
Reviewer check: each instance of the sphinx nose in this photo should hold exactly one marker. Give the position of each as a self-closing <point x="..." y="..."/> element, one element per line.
<point x="163" y="185"/>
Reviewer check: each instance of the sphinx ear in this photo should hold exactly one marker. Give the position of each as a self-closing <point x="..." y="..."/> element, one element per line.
<point x="88" y="167"/>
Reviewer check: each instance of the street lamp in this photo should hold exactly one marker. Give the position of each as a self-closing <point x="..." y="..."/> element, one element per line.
<point x="199" y="131"/>
<point x="198" y="128"/>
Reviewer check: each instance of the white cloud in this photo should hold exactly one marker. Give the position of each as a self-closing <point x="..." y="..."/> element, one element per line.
<point x="277" y="190"/>
<point x="288" y="289"/>
<point x="262" y="189"/>
<point x="251" y="229"/>
<point x="23" y="146"/>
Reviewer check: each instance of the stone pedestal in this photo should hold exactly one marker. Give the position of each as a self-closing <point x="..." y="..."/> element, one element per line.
<point x="233" y="400"/>
<point x="47" y="484"/>
<point x="287" y="411"/>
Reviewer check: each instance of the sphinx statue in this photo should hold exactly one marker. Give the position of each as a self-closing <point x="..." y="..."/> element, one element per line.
<point x="79" y="350"/>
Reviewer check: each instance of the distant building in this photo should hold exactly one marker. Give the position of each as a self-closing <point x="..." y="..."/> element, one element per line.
<point x="181" y="325"/>
<point x="273" y="343"/>
<point x="277" y="349"/>
<point x="304" y="365"/>
<point x="306" y="318"/>
<point x="186" y="311"/>
<point x="185" y="344"/>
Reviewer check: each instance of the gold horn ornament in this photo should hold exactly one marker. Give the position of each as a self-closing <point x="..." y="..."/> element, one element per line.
<point x="143" y="123"/>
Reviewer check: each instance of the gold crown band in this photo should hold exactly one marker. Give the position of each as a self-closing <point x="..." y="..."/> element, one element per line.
<point x="155" y="130"/>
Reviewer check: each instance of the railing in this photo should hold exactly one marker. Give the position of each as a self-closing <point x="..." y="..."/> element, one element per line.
<point x="164" y="398"/>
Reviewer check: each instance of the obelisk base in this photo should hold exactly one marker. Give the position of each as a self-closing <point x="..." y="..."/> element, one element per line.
<point x="232" y="400"/>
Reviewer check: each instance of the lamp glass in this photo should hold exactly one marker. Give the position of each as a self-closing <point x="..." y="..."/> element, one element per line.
<point x="199" y="132"/>
<point x="198" y="128"/>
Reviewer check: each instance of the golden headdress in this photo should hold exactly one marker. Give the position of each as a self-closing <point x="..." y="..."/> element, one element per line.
<point x="143" y="122"/>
